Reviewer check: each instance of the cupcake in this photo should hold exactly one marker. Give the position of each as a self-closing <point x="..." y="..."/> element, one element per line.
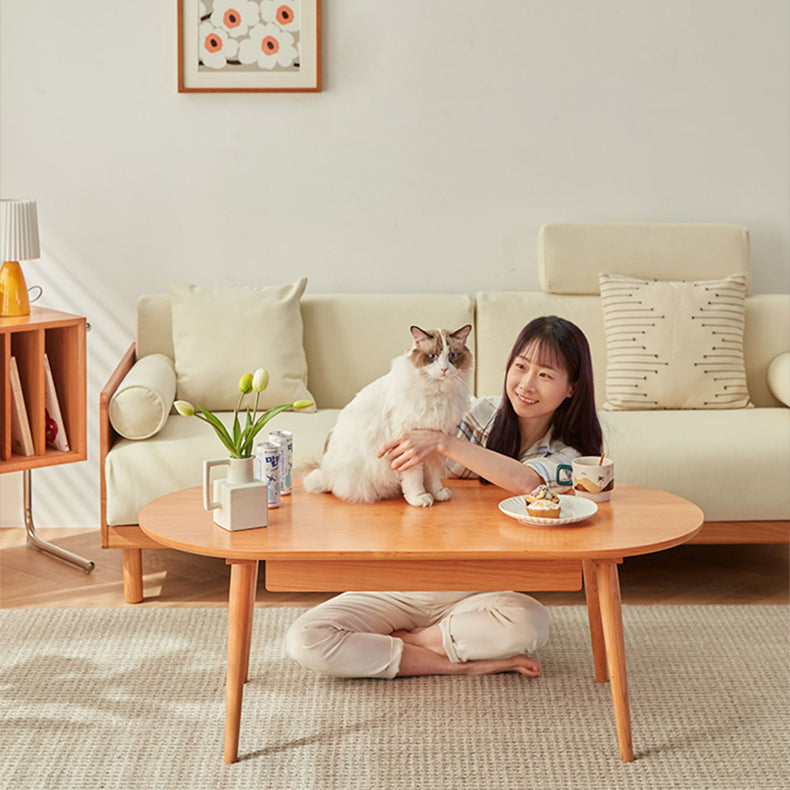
<point x="543" y="503"/>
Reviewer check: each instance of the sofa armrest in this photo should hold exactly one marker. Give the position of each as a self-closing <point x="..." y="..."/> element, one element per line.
<point x="107" y="435"/>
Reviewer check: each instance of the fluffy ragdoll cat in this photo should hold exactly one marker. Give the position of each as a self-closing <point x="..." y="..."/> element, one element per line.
<point x="427" y="387"/>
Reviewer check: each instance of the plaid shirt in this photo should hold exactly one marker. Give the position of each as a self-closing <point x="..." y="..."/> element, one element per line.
<point x="544" y="456"/>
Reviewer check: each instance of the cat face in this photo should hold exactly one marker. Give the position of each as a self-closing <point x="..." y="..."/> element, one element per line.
<point x="439" y="353"/>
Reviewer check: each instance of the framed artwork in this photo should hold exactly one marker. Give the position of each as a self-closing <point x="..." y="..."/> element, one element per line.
<point x="249" y="45"/>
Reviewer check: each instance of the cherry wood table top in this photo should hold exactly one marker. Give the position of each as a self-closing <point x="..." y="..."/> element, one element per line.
<point x="470" y="526"/>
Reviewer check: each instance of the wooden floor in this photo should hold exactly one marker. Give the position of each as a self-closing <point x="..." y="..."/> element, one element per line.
<point x="756" y="574"/>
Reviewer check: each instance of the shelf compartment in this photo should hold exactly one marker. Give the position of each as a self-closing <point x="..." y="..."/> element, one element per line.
<point x="62" y="337"/>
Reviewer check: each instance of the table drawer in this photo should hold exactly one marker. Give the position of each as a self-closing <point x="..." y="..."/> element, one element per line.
<point x="343" y="575"/>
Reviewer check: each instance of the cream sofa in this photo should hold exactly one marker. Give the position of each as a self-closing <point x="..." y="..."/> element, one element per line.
<point x="349" y="339"/>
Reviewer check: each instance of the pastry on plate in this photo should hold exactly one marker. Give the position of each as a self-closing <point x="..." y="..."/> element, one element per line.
<point x="543" y="503"/>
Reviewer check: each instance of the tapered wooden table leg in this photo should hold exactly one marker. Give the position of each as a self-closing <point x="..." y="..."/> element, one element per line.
<point x="253" y="587"/>
<point x="594" y="616"/>
<point x="612" y="619"/>
<point x="243" y="575"/>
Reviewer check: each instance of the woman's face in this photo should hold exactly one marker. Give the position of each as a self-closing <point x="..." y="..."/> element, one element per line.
<point x="536" y="385"/>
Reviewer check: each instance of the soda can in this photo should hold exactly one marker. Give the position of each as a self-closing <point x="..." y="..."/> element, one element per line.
<point x="268" y="465"/>
<point x="286" y="440"/>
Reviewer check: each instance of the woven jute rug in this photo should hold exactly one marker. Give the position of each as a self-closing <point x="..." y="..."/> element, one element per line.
<point x="134" y="698"/>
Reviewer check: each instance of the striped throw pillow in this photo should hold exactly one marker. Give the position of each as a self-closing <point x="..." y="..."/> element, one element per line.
<point x="674" y="345"/>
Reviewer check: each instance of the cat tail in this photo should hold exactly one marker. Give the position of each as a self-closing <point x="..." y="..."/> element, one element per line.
<point x="314" y="482"/>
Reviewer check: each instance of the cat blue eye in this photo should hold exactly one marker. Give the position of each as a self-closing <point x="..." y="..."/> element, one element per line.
<point x="453" y="356"/>
<point x="431" y="357"/>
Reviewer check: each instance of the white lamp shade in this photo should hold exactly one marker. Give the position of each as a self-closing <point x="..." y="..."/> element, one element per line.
<point x="18" y="230"/>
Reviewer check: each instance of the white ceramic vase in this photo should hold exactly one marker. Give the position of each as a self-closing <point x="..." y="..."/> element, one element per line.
<point x="238" y="501"/>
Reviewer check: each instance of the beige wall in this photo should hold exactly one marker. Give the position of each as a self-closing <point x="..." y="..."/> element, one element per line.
<point x="447" y="134"/>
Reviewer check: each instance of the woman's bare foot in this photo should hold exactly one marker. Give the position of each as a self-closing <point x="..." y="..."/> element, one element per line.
<point x="521" y="663"/>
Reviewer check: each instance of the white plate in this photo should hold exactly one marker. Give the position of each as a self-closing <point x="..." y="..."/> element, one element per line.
<point x="574" y="509"/>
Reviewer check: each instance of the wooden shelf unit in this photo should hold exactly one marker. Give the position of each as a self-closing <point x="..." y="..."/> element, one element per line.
<point x="62" y="337"/>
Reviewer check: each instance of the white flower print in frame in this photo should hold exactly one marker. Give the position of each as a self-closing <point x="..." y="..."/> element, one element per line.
<point x="249" y="45"/>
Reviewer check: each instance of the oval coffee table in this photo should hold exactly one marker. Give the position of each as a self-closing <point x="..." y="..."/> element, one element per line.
<point x="320" y="543"/>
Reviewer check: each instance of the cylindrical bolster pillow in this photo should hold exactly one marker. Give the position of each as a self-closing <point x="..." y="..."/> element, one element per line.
<point x="142" y="402"/>
<point x="779" y="377"/>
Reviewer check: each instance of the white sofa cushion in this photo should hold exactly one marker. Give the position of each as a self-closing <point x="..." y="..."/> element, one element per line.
<point x="138" y="472"/>
<point x="572" y="255"/>
<point x="351" y="339"/>
<point x="691" y="453"/>
<point x="501" y="315"/>
<point x="779" y="377"/>
<point x="222" y="332"/>
<point x="361" y="332"/>
<point x="674" y="345"/>
<point x="141" y="404"/>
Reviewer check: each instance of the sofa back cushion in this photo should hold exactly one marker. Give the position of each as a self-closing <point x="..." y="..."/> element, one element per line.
<point x="572" y="255"/>
<point x="498" y="318"/>
<point x="501" y="315"/>
<point x="351" y="339"/>
<point x="154" y="326"/>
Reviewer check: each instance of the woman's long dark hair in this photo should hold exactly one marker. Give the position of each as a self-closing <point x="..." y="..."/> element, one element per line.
<point x="575" y="422"/>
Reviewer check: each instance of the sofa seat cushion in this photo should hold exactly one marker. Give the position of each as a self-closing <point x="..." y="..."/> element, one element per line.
<point x="138" y="472"/>
<point x="734" y="464"/>
<point x="689" y="453"/>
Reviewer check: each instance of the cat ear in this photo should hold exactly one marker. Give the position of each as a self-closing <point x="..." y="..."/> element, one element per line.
<point x="462" y="333"/>
<point x="419" y="334"/>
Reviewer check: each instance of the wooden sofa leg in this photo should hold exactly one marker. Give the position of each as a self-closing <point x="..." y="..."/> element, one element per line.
<point x="133" y="575"/>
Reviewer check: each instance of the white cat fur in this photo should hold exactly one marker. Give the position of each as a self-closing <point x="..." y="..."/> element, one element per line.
<point x="406" y="398"/>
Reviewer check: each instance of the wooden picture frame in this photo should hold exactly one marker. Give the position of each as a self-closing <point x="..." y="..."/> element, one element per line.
<point x="242" y="46"/>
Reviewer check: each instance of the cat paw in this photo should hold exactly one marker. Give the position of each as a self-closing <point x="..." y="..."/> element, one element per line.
<point x="419" y="500"/>
<point x="443" y="494"/>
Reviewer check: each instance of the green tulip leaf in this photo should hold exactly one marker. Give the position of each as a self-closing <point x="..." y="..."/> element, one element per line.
<point x="221" y="430"/>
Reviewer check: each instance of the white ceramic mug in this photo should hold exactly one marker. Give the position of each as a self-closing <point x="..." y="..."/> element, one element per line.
<point x="593" y="479"/>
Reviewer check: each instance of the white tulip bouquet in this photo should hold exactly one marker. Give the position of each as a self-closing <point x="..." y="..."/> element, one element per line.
<point x="238" y="441"/>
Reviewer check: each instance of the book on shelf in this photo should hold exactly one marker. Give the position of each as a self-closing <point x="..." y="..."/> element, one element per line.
<point x="55" y="427"/>
<point x="21" y="436"/>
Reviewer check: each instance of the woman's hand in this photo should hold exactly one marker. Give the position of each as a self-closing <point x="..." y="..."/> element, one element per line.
<point x="412" y="448"/>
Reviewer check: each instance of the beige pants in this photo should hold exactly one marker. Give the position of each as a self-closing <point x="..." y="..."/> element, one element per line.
<point x="349" y="636"/>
